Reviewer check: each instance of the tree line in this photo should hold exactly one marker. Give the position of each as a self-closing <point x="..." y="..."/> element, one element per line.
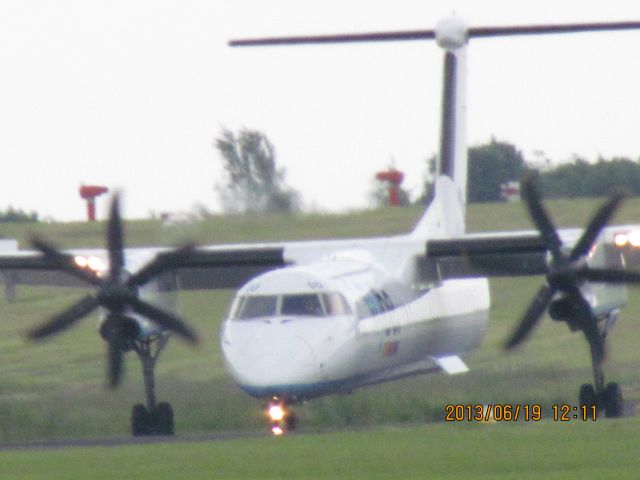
<point x="254" y="182"/>
<point x="495" y="163"/>
<point x="17" y="215"/>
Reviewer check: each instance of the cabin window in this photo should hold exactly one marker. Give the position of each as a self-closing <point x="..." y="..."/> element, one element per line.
<point x="304" y="305"/>
<point x="335" y="304"/>
<point x="256" y="306"/>
<point x="374" y="303"/>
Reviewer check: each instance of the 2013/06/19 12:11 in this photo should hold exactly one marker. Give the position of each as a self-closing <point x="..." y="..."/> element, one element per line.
<point x="565" y="412"/>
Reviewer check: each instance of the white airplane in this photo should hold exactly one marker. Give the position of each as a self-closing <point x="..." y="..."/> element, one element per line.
<point x="316" y="318"/>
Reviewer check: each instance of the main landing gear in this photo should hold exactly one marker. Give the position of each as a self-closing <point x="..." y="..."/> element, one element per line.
<point x="152" y="418"/>
<point x="563" y="295"/>
<point x="606" y="398"/>
<point x="281" y="418"/>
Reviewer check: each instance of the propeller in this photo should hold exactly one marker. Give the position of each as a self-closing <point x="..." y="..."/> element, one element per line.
<point x="567" y="271"/>
<point x="117" y="292"/>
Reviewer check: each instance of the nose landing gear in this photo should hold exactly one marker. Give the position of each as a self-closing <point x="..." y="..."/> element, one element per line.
<point x="282" y="419"/>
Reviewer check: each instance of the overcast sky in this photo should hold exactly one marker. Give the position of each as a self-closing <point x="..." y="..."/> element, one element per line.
<point x="131" y="94"/>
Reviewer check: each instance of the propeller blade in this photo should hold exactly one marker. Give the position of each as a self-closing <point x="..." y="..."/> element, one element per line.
<point x="65" y="319"/>
<point x="541" y="217"/>
<point x="532" y="315"/>
<point x="161" y="263"/>
<point x="115" y="352"/>
<point x="65" y="262"/>
<point x="164" y="319"/>
<point x="599" y="220"/>
<point x="115" y="239"/>
<point x="610" y="276"/>
<point x="589" y="326"/>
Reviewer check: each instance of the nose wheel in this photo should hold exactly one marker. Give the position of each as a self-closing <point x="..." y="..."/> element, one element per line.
<point x="282" y="419"/>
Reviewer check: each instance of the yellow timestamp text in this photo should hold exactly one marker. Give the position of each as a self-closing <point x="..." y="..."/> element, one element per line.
<point x="508" y="412"/>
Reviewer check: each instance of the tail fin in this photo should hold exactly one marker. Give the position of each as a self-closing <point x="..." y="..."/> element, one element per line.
<point x="446" y="214"/>
<point x="452" y="158"/>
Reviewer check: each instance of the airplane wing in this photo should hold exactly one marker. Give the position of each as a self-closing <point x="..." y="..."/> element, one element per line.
<point x="208" y="267"/>
<point x="222" y="267"/>
<point x="518" y="253"/>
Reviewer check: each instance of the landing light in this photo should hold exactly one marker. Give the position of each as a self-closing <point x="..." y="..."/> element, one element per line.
<point x="276" y="413"/>
<point x="627" y="239"/>
<point x="634" y="238"/>
<point x="95" y="264"/>
<point x="281" y="419"/>
<point x="81" y="261"/>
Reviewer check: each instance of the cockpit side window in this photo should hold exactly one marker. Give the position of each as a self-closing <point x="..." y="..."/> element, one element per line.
<point x="335" y="304"/>
<point x="303" y="304"/>
<point x="256" y="306"/>
<point x="236" y="306"/>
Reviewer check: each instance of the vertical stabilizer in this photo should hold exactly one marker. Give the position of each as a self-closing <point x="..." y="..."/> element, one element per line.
<point x="452" y="157"/>
<point x="446" y="214"/>
<point x="451" y="35"/>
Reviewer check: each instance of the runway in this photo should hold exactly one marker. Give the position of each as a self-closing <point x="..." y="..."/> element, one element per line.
<point x="631" y="409"/>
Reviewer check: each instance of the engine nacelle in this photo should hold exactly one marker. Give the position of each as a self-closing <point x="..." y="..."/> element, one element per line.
<point x="562" y="309"/>
<point x="603" y="298"/>
<point x="130" y="325"/>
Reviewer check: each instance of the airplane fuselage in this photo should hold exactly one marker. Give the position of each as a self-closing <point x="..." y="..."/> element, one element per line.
<point x="328" y="327"/>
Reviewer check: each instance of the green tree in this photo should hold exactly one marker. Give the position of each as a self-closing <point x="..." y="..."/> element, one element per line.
<point x="429" y="178"/>
<point x="491" y="165"/>
<point x="581" y="178"/>
<point x="253" y="182"/>
<point x="12" y="215"/>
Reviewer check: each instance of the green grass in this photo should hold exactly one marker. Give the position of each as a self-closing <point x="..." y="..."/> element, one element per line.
<point x="546" y="449"/>
<point x="55" y="389"/>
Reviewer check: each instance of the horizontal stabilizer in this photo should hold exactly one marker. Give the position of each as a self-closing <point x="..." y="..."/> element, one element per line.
<point x="451" y="364"/>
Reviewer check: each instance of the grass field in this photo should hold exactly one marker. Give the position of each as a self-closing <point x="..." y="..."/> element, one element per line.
<point x="55" y="389"/>
<point x="547" y="449"/>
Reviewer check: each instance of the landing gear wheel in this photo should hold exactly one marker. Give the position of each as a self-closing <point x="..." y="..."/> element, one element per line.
<point x="141" y="421"/>
<point x="290" y="422"/>
<point x="281" y="418"/>
<point x="613" y="403"/>
<point x="164" y="419"/>
<point x="588" y="395"/>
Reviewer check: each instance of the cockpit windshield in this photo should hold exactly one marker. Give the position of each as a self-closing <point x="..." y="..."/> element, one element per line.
<point x="298" y="305"/>
<point x="256" y="306"/>
<point x="307" y="305"/>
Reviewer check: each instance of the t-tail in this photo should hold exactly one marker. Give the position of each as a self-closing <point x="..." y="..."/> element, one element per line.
<point x="446" y="213"/>
<point x="445" y="216"/>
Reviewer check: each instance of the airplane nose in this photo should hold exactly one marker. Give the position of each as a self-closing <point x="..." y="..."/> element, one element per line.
<point x="275" y="361"/>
